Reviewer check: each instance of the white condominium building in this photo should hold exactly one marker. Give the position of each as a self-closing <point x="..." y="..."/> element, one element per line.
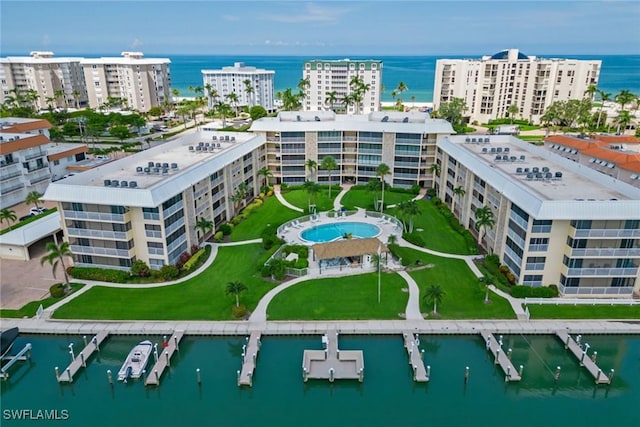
<point x="328" y="76"/>
<point x="491" y="84"/>
<point x="556" y="221"/>
<point x="56" y="82"/>
<point x="259" y="91"/>
<point x="406" y="142"/>
<point x="139" y="82"/>
<point x="145" y="206"/>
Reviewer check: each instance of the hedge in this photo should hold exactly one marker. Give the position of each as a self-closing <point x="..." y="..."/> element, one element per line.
<point x="194" y="258"/>
<point x="520" y="291"/>
<point x="100" y="274"/>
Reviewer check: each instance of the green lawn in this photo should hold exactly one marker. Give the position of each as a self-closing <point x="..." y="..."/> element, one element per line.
<point x="349" y="298"/>
<point x="30" y="309"/>
<point x="200" y="298"/>
<point x="300" y="198"/>
<point x="464" y="296"/>
<point x="271" y="212"/>
<point x="362" y="198"/>
<point x="549" y="311"/>
<point x="437" y="233"/>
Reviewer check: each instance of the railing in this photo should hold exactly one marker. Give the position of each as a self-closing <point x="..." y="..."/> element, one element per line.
<point x="34" y="156"/>
<point x="200" y="192"/>
<point x="98" y="234"/>
<point x="513" y="255"/>
<point x="407" y="164"/>
<point x="406" y="175"/>
<point x="40" y="179"/>
<point x="370" y="151"/>
<point x="177" y="243"/>
<point x="173" y="227"/>
<point x="605" y="252"/>
<point x="38" y="168"/>
<point x="10" y="175"/>
<point x="12" y="188"/>
<point x="155" y="251"/>
<point x="518" y="220"/>
<point x="290" y="173"/>
<point x="603" y="271"/>
<point x="94" y="216"/>
<point x="593" y="290"/>
<point x="92" y="250"/>
<point x="292" y="150"/>
<point x="173" y="209"/>
<point x="149" y="215"/>
<point x="607" y="233"/>
<point x="538" y="248"/>
<point x="154" y="234"/>
<point x="534" y="266"/>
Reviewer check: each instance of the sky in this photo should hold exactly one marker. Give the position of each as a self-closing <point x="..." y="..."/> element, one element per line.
<point x="297" y="27"/>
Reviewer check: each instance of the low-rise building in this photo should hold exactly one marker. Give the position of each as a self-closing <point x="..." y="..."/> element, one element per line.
<point x="555" y="221"/>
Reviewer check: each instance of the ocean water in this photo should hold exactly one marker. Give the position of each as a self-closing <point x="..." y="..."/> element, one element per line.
<point x="417" y="72"/>
<point x="280" y="397"/>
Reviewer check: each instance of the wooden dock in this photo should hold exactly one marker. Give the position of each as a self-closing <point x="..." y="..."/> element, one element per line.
<point x="81" y="359"/>
<point x="249" y="358"/>
<point x="412" y="343"/>
<point x="511" y="374"/>
<point x="331" y="363"/>
<point x="164" y="359"/>
<point x="583" y="358"/>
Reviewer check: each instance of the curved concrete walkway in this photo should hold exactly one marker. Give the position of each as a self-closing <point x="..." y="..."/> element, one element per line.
<point x="283" y="201"/>
<point x="337" y="202"/>
<point x="412" y="311"/>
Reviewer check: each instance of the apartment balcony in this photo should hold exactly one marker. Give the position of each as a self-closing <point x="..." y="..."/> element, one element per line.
<point x="606" y="252"/>
<point x="293" y="162"/>
<point x="370" y="151"/>
<point x="595" y="290"/>
<point x="153" y="234"/>
<point x="34" y="156"/>
<point x="95" y="216"/>
<point x="44" y="167"/>
<point x="603" y="271"/>
<point x="607" y="233"/>
<point x="11" y="188"/>
<point x="173" y="227"/>
<point x="97" y="234"/>
<point x="406" y="164"/>
<point x="173" y="209"/>
<point x="292" y="151"/>
<point x="200" y="192"/>
<point x="176" y="243"/>
<point x="90" y="250"/>
<point x="294" y="173"/>
<point x="10" y="175"/>
<point x="156" y="251"/>
<point x="147" y="215"/>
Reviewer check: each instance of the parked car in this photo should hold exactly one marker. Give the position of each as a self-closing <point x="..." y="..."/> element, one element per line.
<point x="22" y="218"/>
<point x="36" y="211"/>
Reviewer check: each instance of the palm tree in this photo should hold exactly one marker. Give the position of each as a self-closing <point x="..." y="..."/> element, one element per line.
<point x="513" y="110"/>
<point x="592" y="90"/>
<point x="7" y="215"/>
<point x="373" y="186"/>
<point x="249" y="90"/>
<point x="604" y="97"/>
<point x="485" y="282"/>
<point x="204" y="225"/>
<point x="312" y="165"/>
<point x="303" y="85"/>
<point x="331" y="99"/>
<point x="235" y="288"/>
<point x="624" y="97"/>
<point x="329" y="164"/>
<point x="459" y="192"/>
<point x="233" y="99"/>
<point x="484" y="218"/>
<point x="435" y="169"/>
<point x="623" y="120"/>
<point x="33" y="197"/>
<point x="402" y="87"/>
<point x="265" y="173"/>
<point x="408" y="209"/>
<point x="225" y="111"/>
<point x="382" y="170"/>
<point x="434" y="294"/>
<point x="312" y="190"/>
<point x="55" y="256"/>
<point x="76" y="98"/>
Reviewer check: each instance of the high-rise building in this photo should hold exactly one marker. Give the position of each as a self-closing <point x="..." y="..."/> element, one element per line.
<point x="140" y="83"/>
<point x="553" y="220"/>
<point x="490" y="85"/>
<point x="330" y="81"/>
<point x="228" y="80"/>
<point x="55" y="82"/>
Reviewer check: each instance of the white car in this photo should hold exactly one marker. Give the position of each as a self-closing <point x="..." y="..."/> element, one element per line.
<point x="36" y="211"/>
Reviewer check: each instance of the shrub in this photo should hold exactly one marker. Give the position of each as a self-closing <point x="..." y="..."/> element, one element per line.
<point x="431" y="192"/>
<point x="194" y="249"/>
<point x="504" y="269"/>
<point x="511" y="278"/>
<point x="225" y="229"/>
<point x="184" y="257"/>
<point x="169" y="272"/>
<point x="100" y="274"/>
<point x="520" y="291"/>
<point x="57" y="290"/>
<point x="414" y="238"/>
<point x="194" y="258"/>
<point x="140" y="269"/>
<point x="239" y="311"/>
<point x="218" y="237"/>
<point x="415" y="188"/>
<point x="436" y="201"/>
<point x="265" y="270"/>
<point x="236" y="220"/>
<point x="284" y="187"/>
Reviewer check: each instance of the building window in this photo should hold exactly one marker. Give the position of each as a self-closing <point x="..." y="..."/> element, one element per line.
<point x="56" y="162"/>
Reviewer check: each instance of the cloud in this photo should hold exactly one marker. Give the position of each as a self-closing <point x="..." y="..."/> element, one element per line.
<point x="46" y="40"/>
<point x="232" y="18"/>
<point x="311" y="13"/>
<point x="136" y="43"/>
<point x="293" y="43"/>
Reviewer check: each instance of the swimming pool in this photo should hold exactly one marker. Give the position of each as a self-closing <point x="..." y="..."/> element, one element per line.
<point x="328" y="232"/>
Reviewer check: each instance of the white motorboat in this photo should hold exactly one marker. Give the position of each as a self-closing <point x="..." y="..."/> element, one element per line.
<point x="136" y="361"/>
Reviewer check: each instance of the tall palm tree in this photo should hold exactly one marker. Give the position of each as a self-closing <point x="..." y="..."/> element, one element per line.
<point x="402" y="87"/>
<point x="484" y="219"/>
<point x="76" y="99"/>
<point x="7" y="215"/>
<point x="204" y="225"/>
<point x="373" y="186"/>
<point x="329" y="164"/>
<point x="55" y="255"/>
<point x="312" y="165"/>
<point x="408" y="209"/>
<point x="624" y="97"/>
<point x="592" y="90"/>
<point x="513" y="110"/>
<point x="33" y="197"/>
<point x="249" y="90"/>
<point x="604" y="97"/>
<point x="381" y="171"/>
<point x="331" y="99"/>
<point x="225" y="111"/>
<point x="235" y="288"/>
<point x="434" y="294"/>
<point x="458" y="192"/>
<point x="312" y="190"/>
<point x="265" y="173"/>
<point x="623" y="120"/>
<point x="233" y="99"/>
<point x="303" y="85"/>
<point x="435" y="169"/>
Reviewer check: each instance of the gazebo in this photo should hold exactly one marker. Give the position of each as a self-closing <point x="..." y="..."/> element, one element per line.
<point x="349" y="252"/>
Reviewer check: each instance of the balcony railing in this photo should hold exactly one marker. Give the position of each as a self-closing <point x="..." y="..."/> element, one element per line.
<point x="605" y="252"/>
<point x="90" y="250"/>
<point x="607" y="233"/>
<point x="10" y="175"/>
<point x="94" y="216"/>
<point x="173" y="209"/>
<point x="154" y="234"/>
<point x="597" y="271"/>
<point x="173" y="227"/>
<point x="149" y="216"/>
<point x="595" y="290"/>
<point x="9" y="189"/>
<point x="98" y="234"/>
<point x="34" y="156"/>
<point x="155" y="251"/>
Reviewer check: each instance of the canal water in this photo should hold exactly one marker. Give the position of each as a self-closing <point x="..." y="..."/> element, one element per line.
<point x="279" y="397"/>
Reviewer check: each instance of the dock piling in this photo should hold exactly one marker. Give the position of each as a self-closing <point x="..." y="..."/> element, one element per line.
<point x="556" y="376"/>
<point x="68" y="371"/>
<point x="497" y="356"/>
<point x="508" y="376"/>
<point x="428" y="371"/>
<point x="611" y="372"/>
<point x="520" y="370"/>
<point x="84" y="339"/>
<point x="594" y="356"/>
<point x="198" y="376"/>
<point x="109" y="376"/>
<point x="466" y="375"/>
<point x="82" y="362"/>
<point x="509" y="354"/>
<point x="57" y="371"/>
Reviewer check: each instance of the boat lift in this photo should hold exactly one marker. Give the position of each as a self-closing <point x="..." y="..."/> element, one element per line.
<point x="24" y="354"/>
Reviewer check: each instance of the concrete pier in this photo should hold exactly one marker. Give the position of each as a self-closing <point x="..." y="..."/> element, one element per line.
<point x="81" y="359"/>
<point x="500" y="357"/>
<point x="583" y="358"/>
<point x="411" y="343"/>
<point x="164" y="359"/>
<point x="249" y="359"/>
<point x="332" y="363"/>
